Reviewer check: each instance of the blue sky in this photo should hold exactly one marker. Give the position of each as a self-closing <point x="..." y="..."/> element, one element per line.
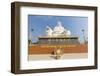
<point x="73" y="23"/>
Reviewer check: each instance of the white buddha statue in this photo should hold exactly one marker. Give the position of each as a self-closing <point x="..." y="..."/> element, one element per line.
<point x="58" y="31"/>
<point x="58" y="28"/>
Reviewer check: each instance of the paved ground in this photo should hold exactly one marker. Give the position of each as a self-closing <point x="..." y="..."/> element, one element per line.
<point x="52" y="57"/>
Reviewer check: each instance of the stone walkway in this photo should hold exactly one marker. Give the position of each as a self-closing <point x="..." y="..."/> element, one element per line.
<point x="52" y="57"/>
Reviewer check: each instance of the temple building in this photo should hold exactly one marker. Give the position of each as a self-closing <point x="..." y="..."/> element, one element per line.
<point x="58" y="36"/>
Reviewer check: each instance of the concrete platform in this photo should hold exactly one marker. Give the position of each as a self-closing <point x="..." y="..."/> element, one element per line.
<point x="52" y="57"/>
